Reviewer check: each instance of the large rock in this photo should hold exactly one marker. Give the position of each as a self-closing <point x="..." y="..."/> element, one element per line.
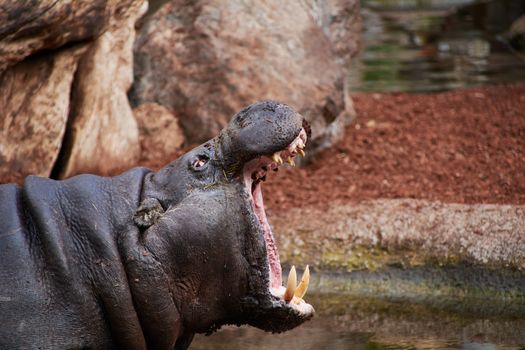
<point x="65" y="69"/>
<point x="102" y="133"/>
<point x="34" y="106"/>
<point x="341" y="22"/>
<point x="30" y="26"/>
<point x="207" y="59"/>
<point x="160" y="135"/>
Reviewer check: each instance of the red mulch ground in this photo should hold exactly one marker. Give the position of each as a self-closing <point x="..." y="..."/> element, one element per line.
<point x="465" y="146"/>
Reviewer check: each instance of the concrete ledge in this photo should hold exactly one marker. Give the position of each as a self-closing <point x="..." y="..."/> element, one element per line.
<point x="403" y="233"/>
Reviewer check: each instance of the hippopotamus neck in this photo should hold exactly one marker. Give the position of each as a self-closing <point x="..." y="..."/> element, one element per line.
<point x="87" y="212"/>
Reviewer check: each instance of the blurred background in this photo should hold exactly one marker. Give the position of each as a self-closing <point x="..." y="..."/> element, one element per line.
<point x="409" y="206"/>
<point x="425" y="46"/>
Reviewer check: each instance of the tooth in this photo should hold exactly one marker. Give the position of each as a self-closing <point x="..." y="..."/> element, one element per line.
<point x="290" y="286"/>
<point x="300" y="291"/>
<point x="277" y="158"/>
<point x="290" y="161"/>
<point x="301" y="152"/>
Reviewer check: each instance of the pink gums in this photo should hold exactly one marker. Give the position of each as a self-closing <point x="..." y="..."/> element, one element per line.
<point x="256" y="170"/>
<point x="274" y="263"/>
<point x="271" y="248"/>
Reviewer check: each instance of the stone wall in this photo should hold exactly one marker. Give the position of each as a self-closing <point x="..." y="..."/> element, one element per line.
<point x="205" y="60"/>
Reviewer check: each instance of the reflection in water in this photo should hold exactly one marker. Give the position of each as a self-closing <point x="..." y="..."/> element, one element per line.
<point x="426" y="46"/>
<point x="344" y="322"/>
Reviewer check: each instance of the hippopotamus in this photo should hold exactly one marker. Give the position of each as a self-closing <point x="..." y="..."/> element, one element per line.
<point x="145" y="260"/>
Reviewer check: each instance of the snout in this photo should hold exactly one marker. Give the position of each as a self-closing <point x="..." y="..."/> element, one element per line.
<point x="262" y="129"/>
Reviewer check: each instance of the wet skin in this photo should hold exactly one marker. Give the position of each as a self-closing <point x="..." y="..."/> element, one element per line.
<point x="148" y="259"/>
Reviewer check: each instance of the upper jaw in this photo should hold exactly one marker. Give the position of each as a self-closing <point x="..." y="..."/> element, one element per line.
<point x="257" y="167"/>
<point x="261" y="129"/>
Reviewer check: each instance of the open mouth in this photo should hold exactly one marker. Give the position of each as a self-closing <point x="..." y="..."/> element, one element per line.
<point x="255" y="172"/>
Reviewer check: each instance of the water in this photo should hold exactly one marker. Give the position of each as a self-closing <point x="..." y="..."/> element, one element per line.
<point x="424" y="46"/>
<point x="344" y="322"/>
<point x="461" y="307"/>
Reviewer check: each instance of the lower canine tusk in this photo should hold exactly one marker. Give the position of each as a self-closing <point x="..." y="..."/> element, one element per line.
<point x="301" y="289"/>
<point x="290" y="286"/>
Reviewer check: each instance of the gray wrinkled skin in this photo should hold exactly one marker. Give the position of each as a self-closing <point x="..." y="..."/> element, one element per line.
<point x="144" y="259"/>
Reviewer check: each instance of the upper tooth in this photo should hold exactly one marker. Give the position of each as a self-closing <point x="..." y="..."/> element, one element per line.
<point x="290" y="161"/>
<point x="274" y="157"/>
<point x="290" y="286"/>
<point x="301" y="152"/>
<point x="277" y="158"/>
<point x="300" y="291"/>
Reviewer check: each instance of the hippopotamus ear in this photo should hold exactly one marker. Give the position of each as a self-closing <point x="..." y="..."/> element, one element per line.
<point x="148" y="213"/>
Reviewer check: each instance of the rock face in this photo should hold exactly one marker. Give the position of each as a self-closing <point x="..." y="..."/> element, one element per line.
<point x="341" y="23"/>
<point x="159" y="132"/>
<point x="30" y="26"/>
<point x="205" y="60"/>
<point x="65" y="68"/>
<point x="34" y="106"/>
<point x="103" y="134"/>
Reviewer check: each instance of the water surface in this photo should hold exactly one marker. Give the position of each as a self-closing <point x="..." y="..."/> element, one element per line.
<point x="454" y="307"/>
<point x="343" y="322"/>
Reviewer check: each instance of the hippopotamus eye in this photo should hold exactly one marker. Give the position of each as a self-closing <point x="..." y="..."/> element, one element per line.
<point x="199" y="161"/>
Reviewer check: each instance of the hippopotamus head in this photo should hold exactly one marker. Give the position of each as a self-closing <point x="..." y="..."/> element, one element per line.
<point x="207" y="254"/>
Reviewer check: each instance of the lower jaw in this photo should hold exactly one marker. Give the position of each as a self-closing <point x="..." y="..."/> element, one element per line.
<point x="276" y="287"/>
